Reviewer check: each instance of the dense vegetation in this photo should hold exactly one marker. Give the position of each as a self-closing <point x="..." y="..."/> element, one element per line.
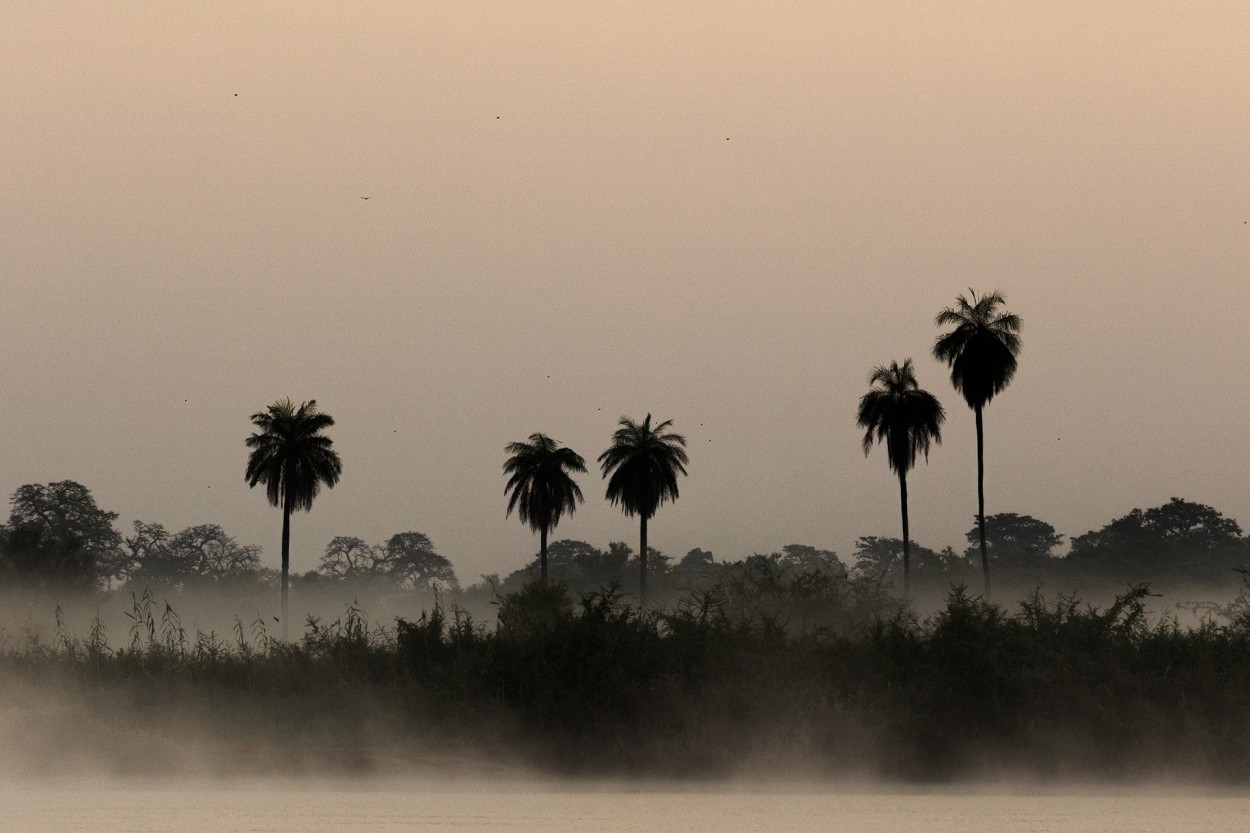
<point x="768" y="672"/>
<point x="792" y="662"/>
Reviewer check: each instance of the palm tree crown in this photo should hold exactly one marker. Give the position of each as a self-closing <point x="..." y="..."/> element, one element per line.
<point x="291" y="456"/>
<point x="540" y="487"/>
<point x="981" y="350"/>
<point x="643" y="463"/>
<point x="898" y="414"/>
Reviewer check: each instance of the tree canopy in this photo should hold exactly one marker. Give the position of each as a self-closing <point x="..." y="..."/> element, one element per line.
<point x="1179" y="539"/>
<point x="197" y="555"/>
<point x="406" y="561"/>
<point x="1015" y="539"/>
<point x="57" y="533"/>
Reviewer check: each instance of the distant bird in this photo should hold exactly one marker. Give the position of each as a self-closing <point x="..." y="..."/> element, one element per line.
<point x="364" y="198"/>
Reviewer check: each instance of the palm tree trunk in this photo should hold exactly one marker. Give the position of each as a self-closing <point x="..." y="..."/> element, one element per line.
<point x="642" y="559"/>
<point x="542" y="555"/>
<point x="902" y="489"/>
<point x="985" y="558"/>
<point x="286" y="560"/>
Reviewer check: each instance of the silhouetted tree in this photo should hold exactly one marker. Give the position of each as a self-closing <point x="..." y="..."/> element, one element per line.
<point x="696" y="561"/>
<point x="197" y="554"/>
<point x="801" y="558"/>
<point x="57" y="533"/>
<point x="1178" y="540"/>
<point x="569" y="553"/>
<point x="582" y="568"/>
<point x="540" y="486"/>
<point x="879" y="559"/>
<point x="908" y="420"/>
<point x="1016" y="539"/>
<point x="348" y="557"/>
<point x="406" y="560"/>
<point x="411" y="562"/>
<point x="293" y="459"/>
<point x="642" y="465"/>
<point x="981" y="352"/>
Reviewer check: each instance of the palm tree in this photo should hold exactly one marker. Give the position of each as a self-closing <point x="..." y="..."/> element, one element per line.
<point x="981" y="352"/>
<point x="540" y="488"/>
<point x="293" y="459"/>
<point x="896" y="412"/>
<point x="643" y="463"/>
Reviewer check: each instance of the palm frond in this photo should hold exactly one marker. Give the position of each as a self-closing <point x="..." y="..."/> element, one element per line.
<point x="642" y="466"/>
<point x="898" y="414"/>
<point x="981" y="348"/>
<point x="541" y="489"/>
<point x="290" y="455"/>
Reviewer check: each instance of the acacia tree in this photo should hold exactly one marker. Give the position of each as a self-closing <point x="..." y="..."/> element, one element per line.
<point x="411" y="561"/>
<point x="407" y="560"/>
<point x="908" y="420"/>
<point x="197" y="554"/>
<point x="348" y="557"/>
<point x="541" y="487"/>
<point x="980" y="350"/>
<point x="643" y="463"/>
<point x="293" y="459"/>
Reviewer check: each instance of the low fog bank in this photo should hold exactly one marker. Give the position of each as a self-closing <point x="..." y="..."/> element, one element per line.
<point x="806" y="676"/>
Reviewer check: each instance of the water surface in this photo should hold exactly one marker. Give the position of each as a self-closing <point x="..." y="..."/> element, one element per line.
<point x="293" y="807"/>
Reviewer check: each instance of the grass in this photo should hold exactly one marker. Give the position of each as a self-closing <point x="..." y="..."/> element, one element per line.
<point x="802" y="676"/>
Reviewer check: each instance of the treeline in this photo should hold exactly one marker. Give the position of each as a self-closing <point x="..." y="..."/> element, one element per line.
<point x="57" y="537"/>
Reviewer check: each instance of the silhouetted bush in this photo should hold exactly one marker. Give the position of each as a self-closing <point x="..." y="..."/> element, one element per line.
<point x="790" y="672"/>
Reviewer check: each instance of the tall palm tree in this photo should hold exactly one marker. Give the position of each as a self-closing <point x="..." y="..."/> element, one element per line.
<point x="643" y="463"/>
<point x="981" y="352"/>
<point x="540" y="487"/>
<point x="293" y="459"/>
<point x="896" y="412"/>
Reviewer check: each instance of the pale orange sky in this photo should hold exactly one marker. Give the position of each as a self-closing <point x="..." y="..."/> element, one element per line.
<point x="724" y="214"/>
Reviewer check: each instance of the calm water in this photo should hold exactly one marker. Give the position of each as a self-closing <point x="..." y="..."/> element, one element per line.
<point x="304" y="808"/>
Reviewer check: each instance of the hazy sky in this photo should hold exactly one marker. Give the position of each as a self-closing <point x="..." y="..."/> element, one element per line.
<point x="724" y="214"/>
